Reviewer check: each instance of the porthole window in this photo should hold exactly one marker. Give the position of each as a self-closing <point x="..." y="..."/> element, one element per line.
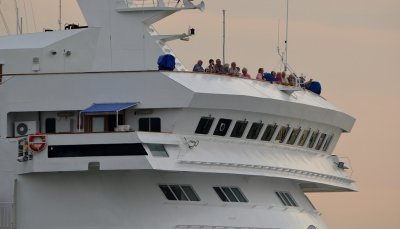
<point x="293" y="136"/>
<point x="327" y="143"/>
<point x="286" y="199"/>
<point x="255" y="130"/>
<point x="313" y="139"/>
<point x="320" y="141"/>
<point x="157" y="150"/>
<point x="304" y="137"/>
<point x="230" y="194"/>
<point x="204" y="125"/>
<point x="222" y="127"/>
<point x="179" y="192"/>
<point x="269" y="132"/>
<point x="282" y="134"/>
<point x="239" y="129"/>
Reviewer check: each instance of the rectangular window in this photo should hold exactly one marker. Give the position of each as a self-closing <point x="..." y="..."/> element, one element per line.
<point x="304" y="137"/>
<point x="327" y="143"/>
<point x="269" y="132"/>
<point x="157" y="150"/>
<point x="287" y="199"/>
<point x="254" y="130"/>
<point x="282" y="134"/>
<point x="239" y="129"/>
<point x="150" y="124"/>
<point x="98" y="124"/>
<point x="320" y="141"/>
<point x="230" y="194"/>
<point x="179" y="192"/>
<point x="293" y="136"/>
<point x="1" y="73"/>
<point x="50" y="125"/>
<point x="222" y="127"/>
<point x="204" y="125"/>
<point x="313" y="139"/>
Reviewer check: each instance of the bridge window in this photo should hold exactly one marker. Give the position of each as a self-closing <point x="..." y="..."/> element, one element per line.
<point x="304" y="137"/>
<point x="269" y="132"/>
<point x="204" y="125"/>
<point x="179" y="192"/>
<point x="150" y="124"/>
<point x="254" y="130"/>
<point x="313" y="139"/>
<point x="282" y="134"/>
<point x="320" y="141"/>
<point x="293" y="136"/>
<point x="287" y="199"/>
<point x="230" y="194"/>
<point x="327" y="143"/>
<point x="238" y="129"/>
<point x="222" y="127"/>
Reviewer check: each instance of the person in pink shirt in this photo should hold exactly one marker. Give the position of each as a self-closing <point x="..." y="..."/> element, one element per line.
<point x="260" y="74"/>
<point x="245" y="74"/>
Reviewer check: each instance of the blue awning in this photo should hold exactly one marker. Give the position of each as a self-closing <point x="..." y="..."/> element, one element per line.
<point x="108" y="107"/>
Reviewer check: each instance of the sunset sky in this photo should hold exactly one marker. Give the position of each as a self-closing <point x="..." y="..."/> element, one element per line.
<point x="351" y="46"/>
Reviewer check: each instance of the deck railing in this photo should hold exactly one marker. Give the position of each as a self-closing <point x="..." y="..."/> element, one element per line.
<point x="153" y="3"/>
<point x="6" y="215"/>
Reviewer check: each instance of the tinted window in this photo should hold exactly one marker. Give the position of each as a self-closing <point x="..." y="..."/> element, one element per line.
<point x="157" y="150"/>
<point x="282" y="134"/>
<point x="222" y="127"/>
<point x="293" y="136"/>
<point x="304" y="137"/>
<point x="144" y="124"/>
<point x="230" y="194"/>
<point x="313" y="139"/>
<point x="269" y="132"/>
<point x="50" y="125"/>
<point x="150" y="124"/>
<point x="204" y="125"/>
<point x="167" y="192"/>
<point x="327" y="143"/>
<point x="238" y="129"/>
<point x="287" y="199"/>
<point x="179" y="192"/>
<point x="320" y="141"/>
<point x="254" y="130"/>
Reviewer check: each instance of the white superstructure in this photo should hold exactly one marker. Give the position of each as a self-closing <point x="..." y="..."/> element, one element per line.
<point x="94" y="136"/>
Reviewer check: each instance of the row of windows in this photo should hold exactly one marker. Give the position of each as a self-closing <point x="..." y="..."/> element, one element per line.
<point x="316" y="140"/>
<point x="225" y="193"/>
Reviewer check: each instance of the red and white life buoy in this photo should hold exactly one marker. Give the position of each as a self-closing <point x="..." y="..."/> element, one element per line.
<point x="37" y="142"/>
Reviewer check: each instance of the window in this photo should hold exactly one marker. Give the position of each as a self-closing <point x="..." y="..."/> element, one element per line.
<point x="286" y="199"/>
<point x="254" y="130"/>
<point x="293" y="136"/>
<point x="1" y="73"/>
<point x="204" y="125"/>
<point x="313" y="139"/>
<point x="222" y="127"/>
<point x="327" y="143"/>
<point x="304" y="137"/>
<point x="179" y="192"/>
<point x="320" y="141"/>
<point x="50" y="125"/>
<point x="157" y="150"/>
<point x="238" y="129"/>
<point x="269" y="132"/>
<point x="150" y="124"/>
<point x="230" y="194"/>
<point x="282" y="134"/>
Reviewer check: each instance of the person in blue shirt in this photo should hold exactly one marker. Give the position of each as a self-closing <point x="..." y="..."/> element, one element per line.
<point x="270" y="77"/>
<point x="198" y="67"/>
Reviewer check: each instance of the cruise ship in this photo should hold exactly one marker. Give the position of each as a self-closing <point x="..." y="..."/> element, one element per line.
<point x="93" y="135"/>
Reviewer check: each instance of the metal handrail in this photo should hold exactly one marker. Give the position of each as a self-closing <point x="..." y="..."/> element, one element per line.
<point x="153" y="3"/>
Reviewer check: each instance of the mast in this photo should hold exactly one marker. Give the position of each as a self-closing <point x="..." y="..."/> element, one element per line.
<point x="286" y="40"/>
<point x="223" y="37"/>
<point x="59" y="15"/>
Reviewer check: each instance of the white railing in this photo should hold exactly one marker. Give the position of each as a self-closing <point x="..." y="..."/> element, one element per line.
<point x="6" y="215"/>
<point x="153" y="3"/>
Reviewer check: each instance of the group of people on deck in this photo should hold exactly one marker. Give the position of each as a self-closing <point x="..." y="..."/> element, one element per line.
<point x="234" y="70"/>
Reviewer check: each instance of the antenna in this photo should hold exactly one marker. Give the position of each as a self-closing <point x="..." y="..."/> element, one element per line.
<point x="60" y="15"/>
<point x="287" y="31"/>
<point x="223" y="37"/>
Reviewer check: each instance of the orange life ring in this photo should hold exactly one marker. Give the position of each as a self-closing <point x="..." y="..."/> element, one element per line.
<point x="37" y="146"/>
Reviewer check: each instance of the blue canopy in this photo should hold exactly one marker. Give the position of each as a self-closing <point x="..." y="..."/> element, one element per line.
<point x="108" y="107"/>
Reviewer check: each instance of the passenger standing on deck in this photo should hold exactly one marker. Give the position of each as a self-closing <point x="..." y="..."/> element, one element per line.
<point x="260" y="74"/>
<point x="218" y="67"/>
<point x="245" y="74"/>
<point x="233" y="70"/>
<point x="210" y="67"/>
<point x="198" y="67"/>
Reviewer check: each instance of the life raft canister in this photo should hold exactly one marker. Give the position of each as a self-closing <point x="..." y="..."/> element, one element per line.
<point x="37" y="142"/>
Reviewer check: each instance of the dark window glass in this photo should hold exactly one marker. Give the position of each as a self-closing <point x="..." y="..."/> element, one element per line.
<point x="144" y="124"/>
<point x="190" y="193"/>
<point x="239" y="195"/>
<point x="293" y="136"/>
<point x="313" y="139"/>
<point x="287" y="199"/>
<point x="157" y="150"/>
<point x="327" y="143"/>
<point x="238" y="129"/>
<point x="254" y="130"/>
<point x="222" y="127"/>
<point x="282" y="134"/>
<point x="221" y="194"/>
<point x="155" y="125"/>
<point x="304" y="137"/>
<point x="320" y="141"/>
<point x="229" y="194"/>
<point x="167" y="192"/>
<point x="204" y="125"/>
<point x="50" y="125"/>
<point x="269" y="132"/>
<point x="180" y="195"/>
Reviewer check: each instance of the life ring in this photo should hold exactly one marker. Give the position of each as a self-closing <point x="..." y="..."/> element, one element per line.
<point x="37" y="142"/>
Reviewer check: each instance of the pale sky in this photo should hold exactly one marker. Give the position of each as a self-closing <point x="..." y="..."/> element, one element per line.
<point x="351" y="47"/>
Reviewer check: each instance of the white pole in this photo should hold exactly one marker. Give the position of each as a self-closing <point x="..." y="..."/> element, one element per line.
<point x="223" y="38"/>
<point x="60" y="15"/>
<point x="287" y="30"/>
<point x="17" y="20"/>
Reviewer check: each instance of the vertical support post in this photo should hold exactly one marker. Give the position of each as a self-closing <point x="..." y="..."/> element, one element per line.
<point x="116" y="124"/>
<point x="60" y="15"/>
<point x="287" y="30"/>
<point x="223" y="37"/>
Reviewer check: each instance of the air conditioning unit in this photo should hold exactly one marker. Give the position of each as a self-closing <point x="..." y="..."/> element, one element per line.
<point x="23" y="128"/>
